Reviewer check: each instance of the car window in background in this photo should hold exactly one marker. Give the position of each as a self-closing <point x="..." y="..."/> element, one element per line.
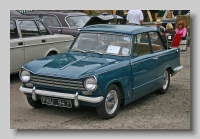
<point x="42" y="28"/>
<point x="156" y="40"/>
<point x="13" y="30"/>
<point x="77" y="21"/>
<point x="141" y="45"/>
<point x="28" y="28"/>
<point x="51" y="20"/>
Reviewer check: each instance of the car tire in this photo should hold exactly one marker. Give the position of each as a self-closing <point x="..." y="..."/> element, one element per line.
<point x="112" y="99"/>
<point x="35" y="104"/>
<point x="166" y="82"/>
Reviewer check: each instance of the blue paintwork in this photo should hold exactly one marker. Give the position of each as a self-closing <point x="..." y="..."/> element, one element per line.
<point x="136" y="76"/>
<point x="123" y="29"/>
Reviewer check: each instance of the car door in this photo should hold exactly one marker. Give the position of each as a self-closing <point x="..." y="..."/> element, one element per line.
<point x="53" y="23"/>
<point x="16" y="48"/>
<point x="35" y="45"/>
<point x="163" y="55"/>
<point x="143" y="65"/>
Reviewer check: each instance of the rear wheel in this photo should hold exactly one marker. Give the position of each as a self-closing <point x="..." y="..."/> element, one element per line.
<point x="166" y="82"/>
<point x="35" y="104"/>
<point x="111" y="103"/>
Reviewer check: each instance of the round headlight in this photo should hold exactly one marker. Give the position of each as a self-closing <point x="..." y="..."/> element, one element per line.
<point x="90" y="84"/>
<point x="25" y="76"/>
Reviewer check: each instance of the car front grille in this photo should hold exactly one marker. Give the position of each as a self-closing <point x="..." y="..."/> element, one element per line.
<point x="61" y="83"/>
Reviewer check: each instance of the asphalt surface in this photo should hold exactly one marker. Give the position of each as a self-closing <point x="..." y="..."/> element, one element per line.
<point x="154" y="111"/>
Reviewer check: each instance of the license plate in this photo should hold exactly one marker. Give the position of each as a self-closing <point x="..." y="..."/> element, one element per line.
<point x="56" y="102"/>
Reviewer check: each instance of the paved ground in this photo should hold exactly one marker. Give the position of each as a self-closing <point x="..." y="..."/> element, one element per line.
<point x="154" y="111"/>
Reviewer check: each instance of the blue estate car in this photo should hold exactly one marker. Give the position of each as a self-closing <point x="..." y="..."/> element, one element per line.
<point x="107" y="66"/>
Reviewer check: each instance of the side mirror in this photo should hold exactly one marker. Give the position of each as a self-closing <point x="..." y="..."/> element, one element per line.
<point x="79" y="29"/>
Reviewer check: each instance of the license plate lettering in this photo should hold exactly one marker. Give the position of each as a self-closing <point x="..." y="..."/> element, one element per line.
<point x="56" y="102"/>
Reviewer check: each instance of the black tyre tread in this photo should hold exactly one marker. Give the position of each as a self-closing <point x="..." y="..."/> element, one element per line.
<point x="161" y="90"/>
<point x="101" y="109"/>
<point x="35" y="104"/>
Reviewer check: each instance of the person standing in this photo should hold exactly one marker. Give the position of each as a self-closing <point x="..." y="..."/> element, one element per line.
<point x="182" y="30"/>
<point x="135" y="17"/>
<point x="120" y="13"/>
<point x="170" y="32"/>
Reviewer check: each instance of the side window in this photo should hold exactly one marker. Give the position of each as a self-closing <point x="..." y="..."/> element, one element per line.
<point x="13" y="30"/>
<point x="156" y="41"/>
<point x="28" y="28"/>
<point x="42" y="28"/>
<point x="141" y="45"/>
<point x="51" y="20"/>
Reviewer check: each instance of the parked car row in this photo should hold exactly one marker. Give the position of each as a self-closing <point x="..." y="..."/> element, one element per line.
<point x="31" y="39"/>
<point x="62" y="22"/>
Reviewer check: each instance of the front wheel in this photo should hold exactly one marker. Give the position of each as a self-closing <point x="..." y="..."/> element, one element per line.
<point x="35" y="104"/>
<point x="166" y="82"/>
<point x="111" y="103"/>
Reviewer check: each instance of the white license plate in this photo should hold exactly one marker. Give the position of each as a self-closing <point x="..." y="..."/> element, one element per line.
<point x="56" y="102"/>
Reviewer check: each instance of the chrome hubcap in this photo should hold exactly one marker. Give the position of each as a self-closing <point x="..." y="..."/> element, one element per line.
<point x="111" y="102"/>
<point x="165" y="80"/>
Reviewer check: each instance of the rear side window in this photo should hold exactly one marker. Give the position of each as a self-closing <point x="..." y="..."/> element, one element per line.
<point x="13" y="30"/>
<point x="141" y="45"/>
<point x="156" y="41"/>
<point x="51" y="20"/>
<point x="28" y="28"/>
<point x="42" y="28"/>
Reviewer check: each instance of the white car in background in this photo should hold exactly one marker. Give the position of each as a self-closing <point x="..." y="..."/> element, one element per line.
<point x="31" y="39"/>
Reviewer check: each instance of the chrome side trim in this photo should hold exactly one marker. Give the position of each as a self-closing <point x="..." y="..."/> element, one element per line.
<point x="47" y="43"/>
<point x="62" y="95"/>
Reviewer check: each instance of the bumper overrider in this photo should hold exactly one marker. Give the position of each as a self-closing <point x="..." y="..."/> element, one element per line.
<point x="176" y="70"/>
<point x="76" y="97"/>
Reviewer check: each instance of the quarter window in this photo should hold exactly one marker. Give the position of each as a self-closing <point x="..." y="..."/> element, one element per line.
<point x="156" y="41"/>
<point x="28" y="28"/>
<point x="13" y="30"/>
<point x="141" y="44"/>
<point x="51" y="20"/>
<point x="42" y="28"/>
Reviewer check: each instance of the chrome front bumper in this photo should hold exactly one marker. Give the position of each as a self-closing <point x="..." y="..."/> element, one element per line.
<point x="176" y="70"/>
<point x="75" y="97"/>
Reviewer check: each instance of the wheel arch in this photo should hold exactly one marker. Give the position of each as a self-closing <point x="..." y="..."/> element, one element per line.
<point x="51" y="51"/>
<point x="118" y="84"/>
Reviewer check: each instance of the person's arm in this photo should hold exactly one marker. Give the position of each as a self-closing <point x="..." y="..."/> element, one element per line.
<point x="184" y="32"/>
<point x="127" y="18"/>
<point x="141" y="18"/>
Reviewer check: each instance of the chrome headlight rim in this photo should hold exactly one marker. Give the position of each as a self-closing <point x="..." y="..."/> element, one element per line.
<point x="95" y="81"/>
<point x="20" y="75"/>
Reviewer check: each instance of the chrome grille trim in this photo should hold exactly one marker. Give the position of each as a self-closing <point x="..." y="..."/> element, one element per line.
<point x="51" y="79"/>
<point x="69" y="87"/>
<point x="61" y="83"/>
<point x="77" y="85"/>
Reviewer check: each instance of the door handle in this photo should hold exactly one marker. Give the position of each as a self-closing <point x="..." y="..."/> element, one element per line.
<point x="59" y="30"/>
<point x="20" y="43"/>
<point x="43" y="40"/>
<point x="155" y="58"/>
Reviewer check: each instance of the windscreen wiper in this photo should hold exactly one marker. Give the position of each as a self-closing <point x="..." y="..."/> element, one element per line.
<point x="95" y="51"/>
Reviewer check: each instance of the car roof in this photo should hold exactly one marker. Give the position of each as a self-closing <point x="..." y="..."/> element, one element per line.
<point x="64" y="13"/>
<point x="23" y="17"/>
<point x="123" y="29"/>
